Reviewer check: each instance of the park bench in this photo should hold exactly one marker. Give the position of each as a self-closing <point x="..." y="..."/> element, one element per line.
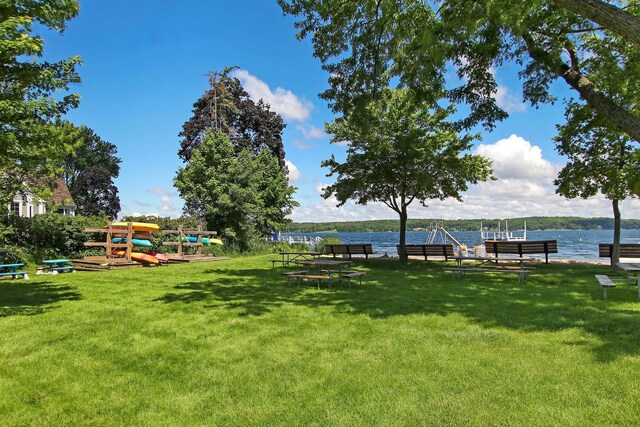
<point x="426" y="250"/>
<point x="349" y="249"/>
<point x="521" y="248"/>
<point x="605" y="283"/>
<point x="627" y="250"/>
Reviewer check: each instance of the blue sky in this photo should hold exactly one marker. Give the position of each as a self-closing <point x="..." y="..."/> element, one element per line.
<point x="145" y="64"/>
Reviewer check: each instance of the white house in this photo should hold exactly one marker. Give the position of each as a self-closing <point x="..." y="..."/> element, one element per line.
<point x="29" y="205"/>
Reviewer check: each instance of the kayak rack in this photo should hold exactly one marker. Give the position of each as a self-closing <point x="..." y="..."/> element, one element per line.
<point x="183" y="239"/>
<point x="108" y="244"/>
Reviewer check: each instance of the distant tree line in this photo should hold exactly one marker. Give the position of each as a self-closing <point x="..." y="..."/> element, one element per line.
<point x="533" y="223"/>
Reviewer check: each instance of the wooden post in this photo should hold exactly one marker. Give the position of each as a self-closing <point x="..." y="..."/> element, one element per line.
<point x="199" y="240"/>
<point x="129" y="248"/>
<point x="180" y="236"/>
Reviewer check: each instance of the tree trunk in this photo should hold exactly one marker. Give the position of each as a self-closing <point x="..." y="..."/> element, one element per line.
<point x="607" y="15"/>
<point x="403" y="234"/>
<point x="615" y="256"/>
<point x="602" y="103"/>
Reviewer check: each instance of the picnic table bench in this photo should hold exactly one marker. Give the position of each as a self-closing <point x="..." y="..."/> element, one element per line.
<point x="521" y="248"/>
<point x="349" y="249"/>
<point x="605" y="283"/>
<point x="55" y="266"/>
<point x="430" y="249"/>
<point x="490" y="265"/>
<point x="7" y="270"/>
<point x="627" y="250"/>
<point x="315" y="277"/>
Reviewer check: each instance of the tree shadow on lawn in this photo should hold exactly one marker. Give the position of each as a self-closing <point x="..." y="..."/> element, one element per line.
<point x="554" y="298"/>
<point x="24" y="298"/>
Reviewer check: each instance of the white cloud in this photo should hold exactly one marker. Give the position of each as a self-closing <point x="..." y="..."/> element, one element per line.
<point x="294" y="172"/>
<point x="514" y="157"/>
<point x="301" y="144"/>
<point x="282" y="101"/>
<point x="162" y="191"/>
<point x="505" y="99"/>
<point x="166" y="204"/>
<point x="524" y="188"/>
<point x="311" y="132"/>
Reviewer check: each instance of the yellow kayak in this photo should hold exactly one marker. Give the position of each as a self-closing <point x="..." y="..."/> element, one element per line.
<point x="137" y="226"/>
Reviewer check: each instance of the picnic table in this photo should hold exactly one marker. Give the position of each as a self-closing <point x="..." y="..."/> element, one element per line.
<point x="291" y="257"/>
<point x="55" y="266"/>
<point x="7" y="270"/>
<point x="633" y="270"/>
<point x="491" y="265"/>
<point x="322" y="269"/>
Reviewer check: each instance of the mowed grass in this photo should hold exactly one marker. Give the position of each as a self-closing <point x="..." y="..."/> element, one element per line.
<point x="230" y="343"/>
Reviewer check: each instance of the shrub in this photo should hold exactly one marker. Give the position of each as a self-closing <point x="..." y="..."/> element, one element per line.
<point x="319" y="247"/>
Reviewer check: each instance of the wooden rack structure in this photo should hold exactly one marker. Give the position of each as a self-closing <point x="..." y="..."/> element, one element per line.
<point x="109" y="260"/>
<point x="183" y="241"/>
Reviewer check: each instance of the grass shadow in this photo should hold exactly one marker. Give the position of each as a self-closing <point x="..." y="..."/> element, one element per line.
<point x="24" y="298"/>
<point x="553" y="299"/>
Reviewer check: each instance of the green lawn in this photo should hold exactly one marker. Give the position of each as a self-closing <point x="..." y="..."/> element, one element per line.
<point x="229" y="343"/>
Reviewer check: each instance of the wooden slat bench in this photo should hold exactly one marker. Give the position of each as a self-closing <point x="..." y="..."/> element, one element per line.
<point x="605" y="282"/>
<point x="521" y="248"/>
<point x="426" y="250"/>
<point x="627" y="250"/>
<point x="349" y="249"/>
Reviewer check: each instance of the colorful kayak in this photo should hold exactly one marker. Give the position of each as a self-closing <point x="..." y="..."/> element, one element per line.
<point x="161" y="257"/>
<point x="137" y="226"/>
<point x="144" y="235"/>
<point x="135" y="242"/>
<point x="139" y="256"/>
<point x="204" y="240"/>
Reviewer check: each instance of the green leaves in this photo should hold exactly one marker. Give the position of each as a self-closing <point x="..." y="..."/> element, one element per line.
<point x="244" y="196"/>
<point x="32" y="94"/>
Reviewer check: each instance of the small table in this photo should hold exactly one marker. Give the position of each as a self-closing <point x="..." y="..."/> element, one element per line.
<point x="12" y="270"/>
<point x="289" y="257"/>
<point x="633" y="270"/>
<point x="318" y="264"/>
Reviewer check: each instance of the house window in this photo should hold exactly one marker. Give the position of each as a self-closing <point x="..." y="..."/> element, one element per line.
<point x="15" y="208"/>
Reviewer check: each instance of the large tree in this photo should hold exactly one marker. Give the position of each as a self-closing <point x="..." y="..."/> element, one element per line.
<point x="601" y="160"/>
<point x="244" y="196"/>
<point x="367" y="45"/>
<point x="402" y="150"/>
<point x="33" y="94"/>
<point x="89" y="173"/>
<point x="611" y="17"/>
<point x="226" y="106"/>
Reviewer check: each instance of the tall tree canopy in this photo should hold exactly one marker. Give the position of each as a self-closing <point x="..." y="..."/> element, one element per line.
<point x="367" y="45"/>
<point x="404" y="150"/>
<point x="244" y="196"/>
<point x="601" y="160"/>
<point x="226" y="106"/>
<point x="89" y="173"/>
<point x="608" y="15"/>
<point x="31" y="144"/>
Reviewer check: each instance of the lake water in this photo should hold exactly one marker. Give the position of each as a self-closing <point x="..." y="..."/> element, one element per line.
<point x="579" y="245"/>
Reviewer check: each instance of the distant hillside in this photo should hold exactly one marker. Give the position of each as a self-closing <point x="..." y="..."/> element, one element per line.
<point x="533" y="223"/>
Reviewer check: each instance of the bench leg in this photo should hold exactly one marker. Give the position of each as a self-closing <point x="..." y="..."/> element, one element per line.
<point x="605" y="293"/>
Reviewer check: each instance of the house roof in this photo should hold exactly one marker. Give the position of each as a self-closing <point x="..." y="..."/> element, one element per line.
<point x="61" y="194"/>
